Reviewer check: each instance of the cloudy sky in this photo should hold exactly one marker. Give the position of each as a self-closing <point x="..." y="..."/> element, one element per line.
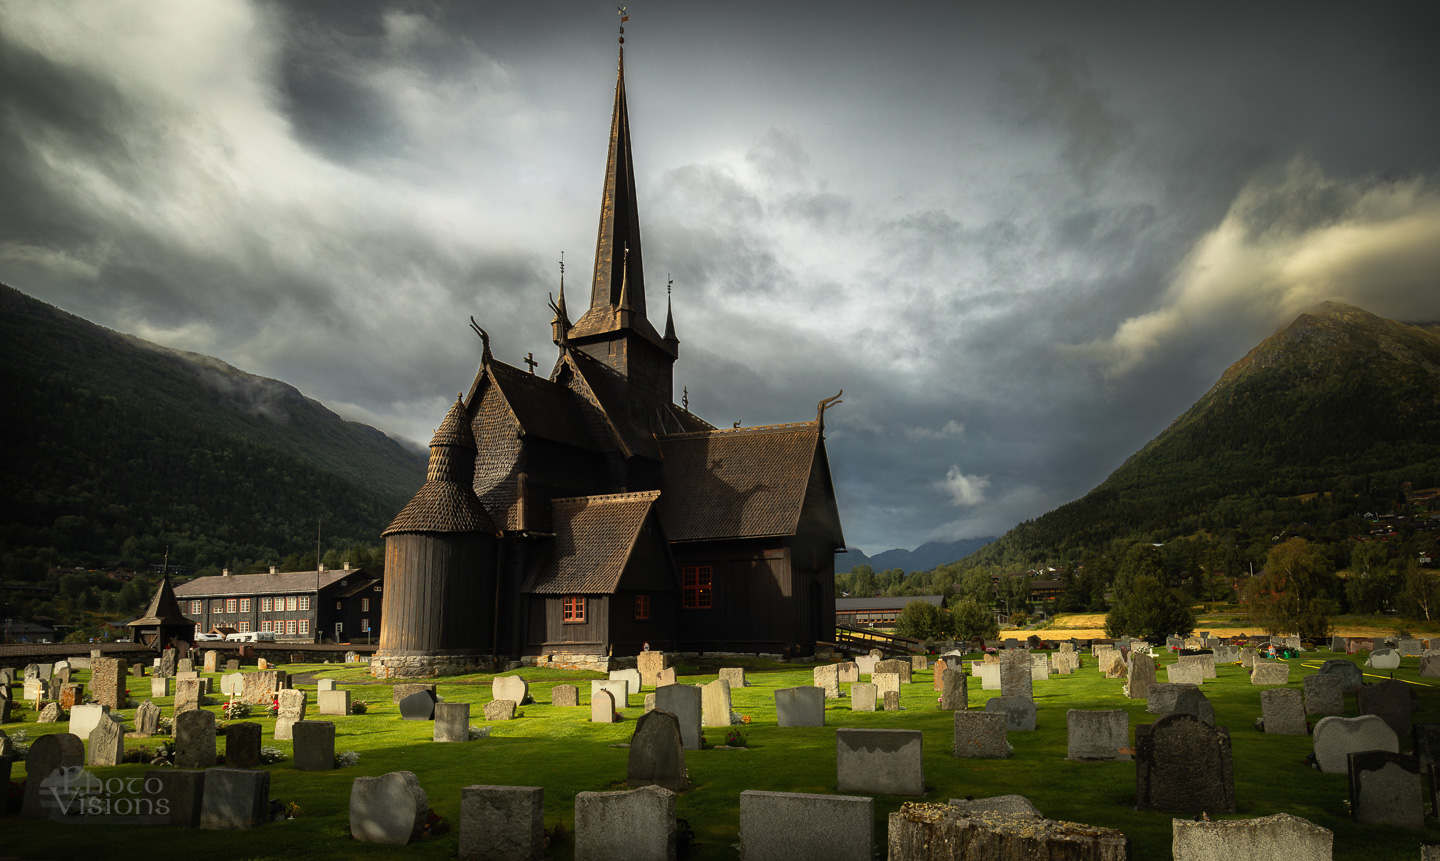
<point x="1022" y="238"/>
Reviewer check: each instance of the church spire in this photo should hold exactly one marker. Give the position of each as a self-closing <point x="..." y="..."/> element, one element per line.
<point x="670" y="339"/>
<point x="619" y="216"/>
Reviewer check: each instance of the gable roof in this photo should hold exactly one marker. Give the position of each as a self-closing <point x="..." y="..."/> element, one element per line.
<point x="736" y="483"/>
<point x="543" y="407"/>
<point x="595" y="538"/>
<point x="281" y="583"/>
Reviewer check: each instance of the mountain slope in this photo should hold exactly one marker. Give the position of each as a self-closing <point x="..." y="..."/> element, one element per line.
<point x="922" y="558"/>
<point x="1338" y="401"/>
<point x="112" y="438"/>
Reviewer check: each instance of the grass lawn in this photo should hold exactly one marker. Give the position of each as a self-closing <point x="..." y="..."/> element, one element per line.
<point x="560" y="750"/>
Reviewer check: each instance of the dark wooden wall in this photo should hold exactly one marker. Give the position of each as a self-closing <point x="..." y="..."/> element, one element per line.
<point x="549" y="632"/>
<point x="440" y="592"/>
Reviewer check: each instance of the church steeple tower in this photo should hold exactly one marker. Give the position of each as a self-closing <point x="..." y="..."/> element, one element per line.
<point x="615" y="330"/>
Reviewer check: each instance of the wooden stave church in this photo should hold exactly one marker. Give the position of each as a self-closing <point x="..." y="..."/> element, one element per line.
<point x="570" y="518"/>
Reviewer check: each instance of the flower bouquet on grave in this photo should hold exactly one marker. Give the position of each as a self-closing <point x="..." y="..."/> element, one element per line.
<point x="358" y="708"/>
<point x="271" y="755"/>
<point x="435" y="824"/>
<point x="347" y="759"/>
<point x="734" y="738"/>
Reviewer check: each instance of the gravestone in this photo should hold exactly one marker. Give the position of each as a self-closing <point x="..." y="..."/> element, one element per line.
<point x="1019" y="712"/>
<point x="71" y="695"/>
<point x="1335" y="738"/>
<point x="242" y="745"/>
<point x="929" y="832"/>
<point x="919" y="663"/>
<point x="259" y="688"/>
<point x="1097" y="735"/>
<point x="1206" y="663"/>
<point x="1015" y="674"/>
<point x="1390" y="701"/>
<point x="863" y="696"/>
<point x="1351" y="677"/>
<point x="849" y="673"/>
<point x="187" y="695"/>
<point x="1111" y="662"/>
<point x="185" y="665"/>
<point x="1183" y="764"/>
<point x="107" y="682"/>
<point x="324" y="685"/>
<point x="232" y="684"/>
<point x="452" y="722"/>
<point x="262" y="664"/>
<point x="211" y="662"/>
<point x="890" y="701"/>
<point x="980" y="735"/>
<point x="234" y="798"/>
<point x="107" y="743"/>
<point x="684" y="702"/>
<point x="400" y="692"/>
<point x="1385" y="789"/>
<point x="498" y="710"/>
<point x="781" y="826"/>
<point x="657" y="754"/>
<point x="332" y="702"/>
<point x="715" y="703"/>
<point x="502" y="823"/>
<point x="894" y="666"/>
<point x="803" y="706"/>
<point x="47" y="755"/>
<point x="292" y="711"/>
<point x="195" y="739"/>
<point x="879" y="761"/>
<point x="827" y="678"/>
<point x="631" y="678"/>
<point x="567" y="696"/>
<point x="179" y="795"/>
<point x="735" y="676"/>
<point x="877" y="654"/>
<point x="314" y="745"/>
<point x="650" y="665"/>
<point x="1247" y="657"/>
<point x="619" y="690"/>
<point x="167" y="663"/>
<point x="1039" y="668"/>
<point x="864" y="663"/>
<point x="159" y="687"/>
<point x="665" y="678"/>
<point x="84" y="719"/>
<point x="1190" y="701"/>
<point x="953" y="692"/>
<point x="1184" y="674"/>
<point x="940" y="667"/>
<point x="885" y="682"/>
<point x="1425" y="745"/>
<point x="1409" y="648"/>
<point x="1385" y="659"/>
<point x="638" y="825"/>
<point x="1226" y="654"/>
<point x="147" y="719"/>
<point x="650" y="702"/>
<point x="1324" y="694"/>
<point x="1283" y="711"/>
<point x="49" y="714"/>
<point x="602" y="707"/>
<point x="232" y="666"/>
<point x="1270" y="673"/>
<point x="418" y="706"/>
<point x="1281" y="836"/>
<point x="1430" y="666"/>
<point x="1139" y="676"/>
<point x="389" y="809"/>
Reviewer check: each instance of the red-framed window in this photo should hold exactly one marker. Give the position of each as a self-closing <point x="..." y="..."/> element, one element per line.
<point x="290" y="626"/>
<point x="699" y="592"/>
<point x="231" y="604"/>
<point x="304" y="626"/>
<point x="197" y="607"/>
<point x="244" y="605"/>
<point x="574" y="608"/>
<point x="642" y="608"/>
<point x="217" y="606"/>
<point x="244" y="626"/>
<point x="267" y="625"/>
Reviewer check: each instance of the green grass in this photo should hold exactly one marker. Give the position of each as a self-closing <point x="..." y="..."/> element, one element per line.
<point x="560" y="750"/>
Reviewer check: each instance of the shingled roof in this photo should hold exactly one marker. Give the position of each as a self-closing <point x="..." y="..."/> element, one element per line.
<point x="282" y="583"/>
<point x="446" y="502"/>
<point x="164" y="609"/>
<point x="543" y="408"/>
<point x="595" y="538"/>
<point x="736" y="483"/>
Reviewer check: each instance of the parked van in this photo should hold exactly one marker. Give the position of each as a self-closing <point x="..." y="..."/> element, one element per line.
<point x="251" y="637"/>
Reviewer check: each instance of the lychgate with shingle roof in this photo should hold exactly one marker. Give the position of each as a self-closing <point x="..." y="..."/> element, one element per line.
<point x="617" y="518"/>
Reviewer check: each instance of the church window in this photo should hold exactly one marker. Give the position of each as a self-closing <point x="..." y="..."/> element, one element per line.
<point x="574" y="608"/>
<point x="699" y="594"/>
<point x="642" y="608"/>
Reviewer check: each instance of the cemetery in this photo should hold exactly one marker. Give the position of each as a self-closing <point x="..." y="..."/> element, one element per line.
<point x="738" y="756"/>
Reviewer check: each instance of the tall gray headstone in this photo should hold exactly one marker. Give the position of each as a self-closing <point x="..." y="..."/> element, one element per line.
<point x="638" y="825"/>
<point x="389" y="809"/>
<point x="802" y="706"/>
<point x="683" y="701"/>
<point x="502" y="823"/>
<point x="657" y="755"/>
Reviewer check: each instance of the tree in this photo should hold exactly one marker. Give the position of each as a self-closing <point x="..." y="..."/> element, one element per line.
<point x="924" y="621"/>
<point x="1147" y="609"/>
<point x="1015" y="591"/>
<point x="1295" y="591"/>
<point x="1420" y="597"/>
<point x="978" y="587"/>
<point x="972" y="619"/>
<point x="862" y="581"/>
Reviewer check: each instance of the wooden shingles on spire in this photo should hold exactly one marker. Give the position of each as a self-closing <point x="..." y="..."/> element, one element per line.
<point x="164" y="608"/>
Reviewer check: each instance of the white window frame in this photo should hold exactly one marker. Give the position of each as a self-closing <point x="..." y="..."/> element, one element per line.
<point x="292" y="603"/>
<point x="244" y="605"/>
<point x="304" y="602"/>
<point x="304" y="626"/>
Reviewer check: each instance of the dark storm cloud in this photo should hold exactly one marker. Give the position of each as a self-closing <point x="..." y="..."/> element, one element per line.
<point x="1022" y="243"/>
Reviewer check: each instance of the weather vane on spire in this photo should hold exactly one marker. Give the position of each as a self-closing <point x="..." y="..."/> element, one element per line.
<point x="620" y="10"/>
<point x="562" y="267"/>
